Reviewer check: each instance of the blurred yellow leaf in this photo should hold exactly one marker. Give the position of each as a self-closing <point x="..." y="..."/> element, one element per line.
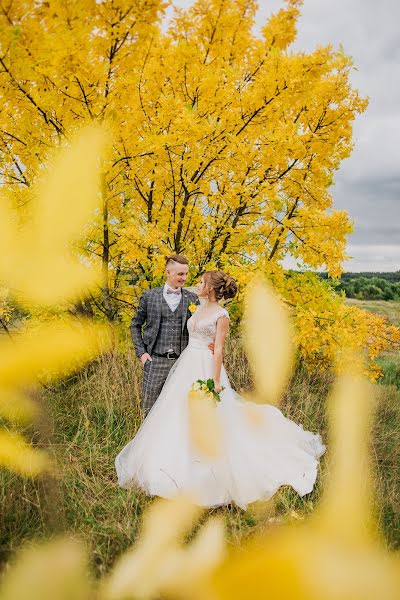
<point x="345" y="510"/>
<point x="54" y="571"/>
<point x="161" y="544"/>
<point x="15" y="406"/>
<point x="267" y="337"/>
<point x="57" y="347"/>
<point x="297" y="562"/>
<point x="205" y="427"/>
<point x="37" y="259"/>
<point x="17" y="455"/>
<point x="195" y="561"/>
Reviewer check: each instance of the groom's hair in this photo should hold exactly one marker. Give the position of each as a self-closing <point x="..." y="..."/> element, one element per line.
<point x="176" y="258"/>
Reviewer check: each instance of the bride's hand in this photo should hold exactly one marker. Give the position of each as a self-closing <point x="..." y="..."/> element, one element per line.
<point x="144" y="358"/>
<point x="217" y="386"/>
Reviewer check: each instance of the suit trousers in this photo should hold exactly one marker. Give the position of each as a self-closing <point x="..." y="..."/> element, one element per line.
<point x="155" y="373"/>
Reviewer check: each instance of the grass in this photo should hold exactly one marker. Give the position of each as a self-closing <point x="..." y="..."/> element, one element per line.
<point x="94" y="414"/>
<point x="389" y="361"/>
<point x="386" y="308"/>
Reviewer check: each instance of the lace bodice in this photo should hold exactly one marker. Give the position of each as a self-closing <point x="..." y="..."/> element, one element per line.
<point x="202" y="329"/>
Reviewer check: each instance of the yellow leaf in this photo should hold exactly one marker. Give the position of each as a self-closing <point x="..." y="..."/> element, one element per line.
<point x="17" y="455"/>
<point x="15" y="406"/>
<point x="53" y="571"/>
<point x="181" y="568"/>
<point x="57" y="347"/>
<point x="268" y="343"/>
<point x="205" y="427"/>
<point x="350" y="408"/>
<point x="37" y="259"/>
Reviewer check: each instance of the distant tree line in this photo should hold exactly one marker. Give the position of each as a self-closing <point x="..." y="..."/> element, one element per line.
<point x="369" y="285"/>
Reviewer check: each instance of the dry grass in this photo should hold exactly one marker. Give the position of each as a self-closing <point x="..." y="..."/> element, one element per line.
<point x="94" y="414"/>
<point x="390" y="309"/>
<point x="386" y="459"/>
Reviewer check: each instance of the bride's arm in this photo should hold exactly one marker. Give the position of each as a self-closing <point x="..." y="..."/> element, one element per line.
<point x="222" y="330"/>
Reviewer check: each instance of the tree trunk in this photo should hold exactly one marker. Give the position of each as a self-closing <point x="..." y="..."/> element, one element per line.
<point x="106" y="254"/>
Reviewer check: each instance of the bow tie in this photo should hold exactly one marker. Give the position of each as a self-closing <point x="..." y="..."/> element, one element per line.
<point x="177" y="292"/>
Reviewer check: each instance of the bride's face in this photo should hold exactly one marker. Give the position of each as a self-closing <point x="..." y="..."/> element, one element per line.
<point x="202" y="289"/>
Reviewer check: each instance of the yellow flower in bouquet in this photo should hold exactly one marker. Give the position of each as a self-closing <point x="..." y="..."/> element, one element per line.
<point x="204" y="388"/>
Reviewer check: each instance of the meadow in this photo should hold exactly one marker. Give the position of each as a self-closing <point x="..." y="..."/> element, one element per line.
<point x="386" y="308"/>
<point x="390" y="361"/>
<point x="90" y="416"/>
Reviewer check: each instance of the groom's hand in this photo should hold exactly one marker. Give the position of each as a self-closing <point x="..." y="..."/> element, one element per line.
<point x="211" y="346"/>
<point x="144" y="358"/>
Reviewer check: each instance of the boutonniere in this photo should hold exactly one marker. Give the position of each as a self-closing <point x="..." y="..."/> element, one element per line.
<point x="192" y="307"/>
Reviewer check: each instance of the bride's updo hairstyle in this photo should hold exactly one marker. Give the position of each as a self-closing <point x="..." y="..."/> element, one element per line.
<point x="223" y="285"/>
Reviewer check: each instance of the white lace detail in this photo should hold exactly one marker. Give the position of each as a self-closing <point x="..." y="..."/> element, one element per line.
<point x="204" y="329"/>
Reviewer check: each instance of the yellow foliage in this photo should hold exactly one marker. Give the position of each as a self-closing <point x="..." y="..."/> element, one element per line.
<point x="322" y="322"/>
<point x="61" y="207"/>
<point x="56" y="570"/>
<point x="225" y="144"/>
<point x="268" y="343"/>
<point x="204" y="424"/>
<point x="222" y="141"/>
<point x="37" y="263"/>
<point x="180" y="567"/>
<point x="335" y="553"/>
<point x="17" y="455"/>
<point x="15" y="406"/>
<point x="55" y="350"/>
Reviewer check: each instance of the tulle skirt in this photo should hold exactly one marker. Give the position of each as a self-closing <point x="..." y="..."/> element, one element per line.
<point x="258" y="454"/>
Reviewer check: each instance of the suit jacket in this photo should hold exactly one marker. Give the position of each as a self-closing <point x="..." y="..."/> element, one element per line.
<point x="148" y="314"/>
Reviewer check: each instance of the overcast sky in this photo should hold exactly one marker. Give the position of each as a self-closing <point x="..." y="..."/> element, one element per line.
<point x="368" y="183"/>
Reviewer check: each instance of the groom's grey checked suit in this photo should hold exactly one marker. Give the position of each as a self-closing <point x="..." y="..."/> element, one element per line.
<point x="156" y="329"/>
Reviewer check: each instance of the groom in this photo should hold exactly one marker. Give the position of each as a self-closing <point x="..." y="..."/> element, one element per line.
<point x="164" y="311"/>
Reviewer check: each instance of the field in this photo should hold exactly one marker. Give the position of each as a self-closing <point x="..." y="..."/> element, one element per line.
<point x="91" y="416"/>
<point x="390" y="361"/>
<point x="387" y="308"/>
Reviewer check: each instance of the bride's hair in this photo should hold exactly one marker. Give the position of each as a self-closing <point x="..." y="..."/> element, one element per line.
<point x="223" y="285"/>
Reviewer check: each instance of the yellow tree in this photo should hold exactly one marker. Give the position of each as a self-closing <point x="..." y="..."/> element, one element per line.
<point x="63" y="64"/>
<point x="225" y="143"/>
<point x="236" y="142"/>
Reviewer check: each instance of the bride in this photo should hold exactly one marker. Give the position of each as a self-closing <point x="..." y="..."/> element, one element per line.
<point x="254" y="461"/>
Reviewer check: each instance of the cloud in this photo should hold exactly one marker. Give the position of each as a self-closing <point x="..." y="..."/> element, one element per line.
<point x="368" y="183"/>
<point x="373" y="257"/>
<point x="364" y="257"/>
<point x="376" y="152"/>
<point x="373" y="204"/>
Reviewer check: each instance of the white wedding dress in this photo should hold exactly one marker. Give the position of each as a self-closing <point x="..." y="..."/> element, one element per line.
<point x="255" y="459"/>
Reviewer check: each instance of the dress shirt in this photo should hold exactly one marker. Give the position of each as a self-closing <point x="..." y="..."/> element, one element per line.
<point x="171" y="299"/>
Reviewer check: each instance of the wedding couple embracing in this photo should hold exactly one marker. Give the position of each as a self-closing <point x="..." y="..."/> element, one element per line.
<point x="179" y="338"/>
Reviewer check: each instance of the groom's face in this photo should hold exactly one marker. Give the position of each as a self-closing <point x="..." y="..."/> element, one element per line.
<point x="176" y="274"/>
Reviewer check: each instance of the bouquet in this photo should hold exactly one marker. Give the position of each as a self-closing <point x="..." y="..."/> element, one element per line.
<point x="207" y="388"/>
